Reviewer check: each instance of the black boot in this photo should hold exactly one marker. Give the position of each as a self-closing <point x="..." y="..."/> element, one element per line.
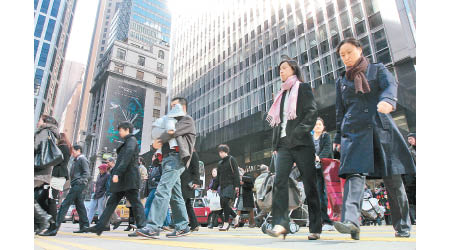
<point x="41" y="218"/>
<point x="51" y="231"/>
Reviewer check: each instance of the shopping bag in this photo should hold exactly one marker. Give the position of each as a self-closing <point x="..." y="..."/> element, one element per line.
<point x="214" y="200"/>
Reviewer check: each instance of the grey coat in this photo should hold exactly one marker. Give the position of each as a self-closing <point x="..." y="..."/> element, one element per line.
<point x="371" y="143"/>
<point x="185" y="136"/>
<point x="43" y="176"/>
<point x="79" y="173"/>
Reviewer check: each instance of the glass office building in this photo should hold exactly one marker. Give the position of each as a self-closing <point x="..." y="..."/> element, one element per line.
<point x="144" y="21"/>
<point x="52" y="24"/>
<point x="226" y="63"/>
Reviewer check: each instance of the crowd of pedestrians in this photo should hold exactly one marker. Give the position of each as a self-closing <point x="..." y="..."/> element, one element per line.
<point x="160" y="196"/>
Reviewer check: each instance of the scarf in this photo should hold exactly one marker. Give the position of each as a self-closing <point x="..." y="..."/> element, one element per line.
<point x="292" y="83"/>
<point x="356" y="73"/>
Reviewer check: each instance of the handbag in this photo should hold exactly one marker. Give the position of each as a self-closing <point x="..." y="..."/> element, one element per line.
<point x="49" y="155"/>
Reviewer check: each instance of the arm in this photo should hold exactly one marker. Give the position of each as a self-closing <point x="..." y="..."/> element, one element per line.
<point x="339" y="112"/>
<point x="236" y="179"/>
<point x="84" y="169"/>
<point x="388" y="86"/>
<point x="326" y="149"/>
<point x="130" y="148"/>
<point x="194" y="168"/>
<point x="309" y="109"/>
<point x="184" y="126"/>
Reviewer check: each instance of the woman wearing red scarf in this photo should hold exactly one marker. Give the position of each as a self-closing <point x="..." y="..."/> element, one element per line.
<point x="293" y="116"/>
<point x="370" y="143"/>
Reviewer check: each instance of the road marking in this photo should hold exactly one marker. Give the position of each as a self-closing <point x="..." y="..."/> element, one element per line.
<point x="47" y="246"/>
<point x="72" y="244"/>
<point x="184" y="244"/>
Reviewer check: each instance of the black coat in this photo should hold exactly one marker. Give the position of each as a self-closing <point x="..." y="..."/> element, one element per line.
<point x="247" y="191"/>
<point x="225" y="175"/>
<point x="298" y="131"/>
<point x="371" y="143"/>
<point x="190" y="175"/>
<point x="61" y="169"/>
<point x="326" y="150"/>
<point x="127" y="166"/>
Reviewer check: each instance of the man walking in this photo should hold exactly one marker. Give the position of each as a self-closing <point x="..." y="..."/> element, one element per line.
<point x="78" y="181"/>
<point x="169" y="189"/>
<point x="99" y="194"/>
<point x="125" y="180"/>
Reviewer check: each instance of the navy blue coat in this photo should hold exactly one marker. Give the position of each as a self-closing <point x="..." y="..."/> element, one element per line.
<point x="371" y="143"/>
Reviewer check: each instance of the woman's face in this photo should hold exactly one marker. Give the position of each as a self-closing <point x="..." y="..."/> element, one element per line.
<point x="222" y="154"/>
<point x="214" y="173"/>
<point x="350" y="54"/>
<point x="319" y="127"/>
<point x="285" y="71"/>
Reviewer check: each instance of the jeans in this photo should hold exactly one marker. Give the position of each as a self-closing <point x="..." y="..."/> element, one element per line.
<point x="148" y="205"/>
<point x="75" y="196"/>
<point x="169" y="190"/>
<point x="322" y="189"/>
<point x="132" y="195"/>
<point x="94" y="205"/>
<point x="303" y="156"/>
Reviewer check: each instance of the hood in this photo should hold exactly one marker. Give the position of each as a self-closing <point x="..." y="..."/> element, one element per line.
<point x="50" y="127"/>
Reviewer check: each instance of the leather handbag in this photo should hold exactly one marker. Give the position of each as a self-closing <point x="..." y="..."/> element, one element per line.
<point x="49" y="154"/>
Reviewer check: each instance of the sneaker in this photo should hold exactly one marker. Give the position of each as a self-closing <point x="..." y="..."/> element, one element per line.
<point x="328" y="227"/>
<point x="236" y="221"/>
<point x="147" y="233"/>
<point x="405" y="234"/>
<point x="133" y="234"/>
<point x="179" y="233"/>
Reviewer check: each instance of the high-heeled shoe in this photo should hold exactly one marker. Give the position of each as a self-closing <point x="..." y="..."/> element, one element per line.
<point x="277" y="230"/>
<point x="225" y="227"/>
<point x="347" y="227"/>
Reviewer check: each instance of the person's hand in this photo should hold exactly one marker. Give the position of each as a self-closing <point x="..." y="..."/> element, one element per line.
<point x="171" y="132"/>
<point x="274" y="152"/>
<point x="237" y="190"/>
<point x="317" y="158"/>
<point x="157" y="144"/>
<point x="242" y="183"/>
<point x="214" y="191"/>
<point x="115" y="178"/>
<point x="384" y="107"/>
<point x="337" y="147"/>
<point x="194" y="186"/>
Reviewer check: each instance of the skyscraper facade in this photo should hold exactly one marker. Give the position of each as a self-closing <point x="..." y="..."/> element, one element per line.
<point x="52" y="25"/>
<point x="226" y="63"/>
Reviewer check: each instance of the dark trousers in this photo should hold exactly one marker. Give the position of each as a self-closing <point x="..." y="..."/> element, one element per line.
<point x="41" y="195"/>
<point x="214" y="219"/>
<point x="75" y="196"/>
<point x="303" y="156"/>
<point x="193" y="223"/>
<point x="227" y="210"/>
<point x="353" y="196"/>
<point x="322" y="189"/>
<point x="136" y="205"/>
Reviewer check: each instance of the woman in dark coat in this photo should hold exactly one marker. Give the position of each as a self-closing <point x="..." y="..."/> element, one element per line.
<point x="190" y="180"/>
<point x="228" y="180"/>
<point x="370" y="143"/>
<point x="322" y="143"/>
<point x="293" y="116"/>
<point x="60" y="175"/>
<point x="246" y="201"/>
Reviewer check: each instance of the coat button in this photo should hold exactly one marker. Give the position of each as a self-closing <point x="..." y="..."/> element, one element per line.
<point x="366" y="110"/>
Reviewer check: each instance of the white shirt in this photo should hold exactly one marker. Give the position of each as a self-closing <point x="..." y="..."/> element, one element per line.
<point x="285" y="114"/>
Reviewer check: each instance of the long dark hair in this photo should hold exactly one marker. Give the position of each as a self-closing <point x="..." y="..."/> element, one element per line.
<point x="350" y="40"/>
<point x="63" y="140"/>
<point x="323" y="123"/>
<point x="294" y="66"/>
<point x="49" y="120"/>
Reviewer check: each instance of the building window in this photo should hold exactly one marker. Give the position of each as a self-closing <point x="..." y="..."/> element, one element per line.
<point x="160" y="67"/>
<point x="157" y="100"/>
<point x="341" y="4"/>
<point x="44" y="54"/>
<point x="156" y="113"/>
<point x="121" y="54"/>
<point x="44" y="6"/>
<point x="140" y="75"/>
<point x="347" y="33"/>
<point x="118" y="68"/>
<point x="159" y="80"/>
<point x="357" y="13"/>
<point x="379" y="39"/>
<point x="375" y="21"/>
<point x="384" y="56"/>
<point x="360" y="28"/>
<point x="319" y="16"/>
<point x="141" y="61"/>
<point x="316" y="70"/>
<point x="161" y="54"/>
<point x="50" y="28"/>
<point x="366" y="46"/>
<point x="372" y="6"/>
<point x="335" y="41"/>
<point x="326" y="64"/>
<point x="330" y="10"/>
<point x="39" y="26"/>
<point x="55" y="8"/>
<point x="345" y="22"/>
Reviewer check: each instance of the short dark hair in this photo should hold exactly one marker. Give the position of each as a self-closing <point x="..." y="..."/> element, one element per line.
<point x="350" y="40"/>
<point x="78" y="147"/>
<point x="294" y="66"/>
<point x="126" y="125"/>
<point x="49" y="120"/>
<point x="183" y="101"/>
<point x="223" y="148"/>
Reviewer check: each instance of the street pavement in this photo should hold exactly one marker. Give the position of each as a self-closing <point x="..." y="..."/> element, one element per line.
<point x="372" y="237"/>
